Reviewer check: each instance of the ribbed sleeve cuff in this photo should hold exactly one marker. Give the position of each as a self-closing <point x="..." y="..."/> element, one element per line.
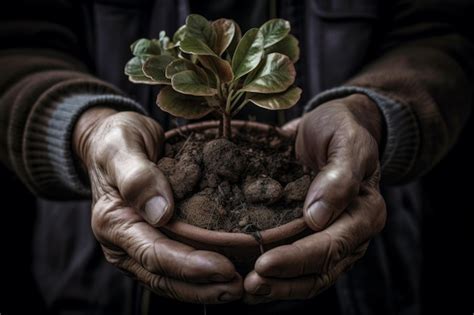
<point x="47" y="151"/>
<point x="403" y="137"/>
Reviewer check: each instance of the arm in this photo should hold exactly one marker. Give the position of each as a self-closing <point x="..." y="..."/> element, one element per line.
<point x="419" y="88"/>
<point x="421" y="79"/>
<point x="44" y="88"/>
<point x="55" y="115"/>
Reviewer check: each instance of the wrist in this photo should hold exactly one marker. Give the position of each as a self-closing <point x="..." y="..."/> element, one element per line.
<point x="83" y="130"/>
<point x="368" y="115"/>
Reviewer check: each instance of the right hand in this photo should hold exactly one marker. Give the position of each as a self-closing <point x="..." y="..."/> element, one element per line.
<point x="131" y="197"/>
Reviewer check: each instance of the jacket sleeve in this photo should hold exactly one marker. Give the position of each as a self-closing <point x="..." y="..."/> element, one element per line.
<point x="421" y="77"/>
<point x="44" y="87"/>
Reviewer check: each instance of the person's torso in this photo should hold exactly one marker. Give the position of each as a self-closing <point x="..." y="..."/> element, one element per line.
<point x="336" y="39"/>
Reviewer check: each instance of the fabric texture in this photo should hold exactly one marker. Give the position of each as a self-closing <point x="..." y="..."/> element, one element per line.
<point x="48" y="135"/>
<point x="410" y="57"/>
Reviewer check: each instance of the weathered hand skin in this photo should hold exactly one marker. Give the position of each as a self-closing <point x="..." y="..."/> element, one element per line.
<point x="340" y="140"/>
<point x="131" y="197"/>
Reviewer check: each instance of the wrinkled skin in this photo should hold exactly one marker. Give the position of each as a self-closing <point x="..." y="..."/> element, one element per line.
<point x="131" y="197"/>
<point x="339" y="140"/>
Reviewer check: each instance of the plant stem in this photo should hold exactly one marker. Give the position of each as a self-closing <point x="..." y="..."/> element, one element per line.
<point x="226" y="125"/>
<point x="238" y="109"/>
<point x="235" y="99"/>
<point x="228" y="101"/>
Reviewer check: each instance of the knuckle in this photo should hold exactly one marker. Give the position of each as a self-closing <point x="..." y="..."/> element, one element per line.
<point x="325" y="281"/>
<point x="320" y="283"/>
<point x="164" y="287"/>
<point x="114" y="258"/>
<point x="133" y="179"/>
<point x="99" y="221"/>
<point x="360" y="252"/>
<point x="120" y="261"/>
<point x="143" y="257"/>
<point x="138" y="172"/>
<point x="343" y="184"/>
<point x="159" y="285"/>
<point x="350" y="184"/>
<point x="339" y="249"/>
<point x="336" y="250"/>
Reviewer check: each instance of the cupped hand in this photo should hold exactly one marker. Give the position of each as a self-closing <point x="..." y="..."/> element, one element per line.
<point x="340" y="141"/>
<point x="131" y="197"/>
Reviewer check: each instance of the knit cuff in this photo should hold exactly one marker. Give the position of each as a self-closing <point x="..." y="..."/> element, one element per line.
<point x="403" y="136"/>
<point x="48" y="154"/>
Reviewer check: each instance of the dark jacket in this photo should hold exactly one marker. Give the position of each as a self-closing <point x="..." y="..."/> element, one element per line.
<point x="58" y="58"/>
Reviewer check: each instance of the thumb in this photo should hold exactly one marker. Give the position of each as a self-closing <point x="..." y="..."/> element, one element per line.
<point x="329" y="195"/>
<point x="145" y="188"/>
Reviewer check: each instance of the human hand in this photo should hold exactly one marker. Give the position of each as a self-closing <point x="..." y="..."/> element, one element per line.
<point x="340" y="141"/>
<point x="131" y="197"/>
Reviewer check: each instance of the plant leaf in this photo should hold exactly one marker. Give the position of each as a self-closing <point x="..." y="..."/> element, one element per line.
<point x="167" y="46"/>
<point x="192" y="45"/>
<point x="218" y="66"/>
<point x="180" y="65"/>
<point x="179" y="35"/>
<point x="211" y="78"/>
<point x="287" y="46"/>
<point x="143" y="79"/>
<point x="276" y="101"/>
<point x="248" y="53"/>
<point x="188" y="82"/>
<point x="146" y="47"/>
<point x="235" y="40"/>
<point x="275" y="75"/>
<point x="133" y="69"/>
<point x="134" y="66"/>
<point x="274" y="30"/>
<point x="179" y="105"/>
<point x="225" y="30"/>
<point x="154" y="68"/>
<point x="200" y="28"/>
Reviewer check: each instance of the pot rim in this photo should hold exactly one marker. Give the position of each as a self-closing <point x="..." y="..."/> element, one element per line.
<point x="218" y="238"/>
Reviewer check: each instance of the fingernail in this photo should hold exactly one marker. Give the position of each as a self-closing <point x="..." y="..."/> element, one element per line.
<point x="155" y="209"/>
<point x="227" y="297"/>
<point x="263" y="289"/>
<point x="319" y="215"/>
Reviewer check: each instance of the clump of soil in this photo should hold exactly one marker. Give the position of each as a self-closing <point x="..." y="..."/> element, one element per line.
<point x="250" y="184"/>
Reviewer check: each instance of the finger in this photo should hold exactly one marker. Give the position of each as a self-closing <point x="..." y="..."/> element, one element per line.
<point x="126" y="162"/>
<point x="184" y="291"/>
<point x="329" y="194"/>
<point x="261" y="290"/>
<point x="142" y="184"/>
<point x="343" y="157"/>
<point x="119" y="227"/>
<point x="291" y="127"/>
<point x="320" y="252"/>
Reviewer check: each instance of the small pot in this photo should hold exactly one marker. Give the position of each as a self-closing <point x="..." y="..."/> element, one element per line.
<point x="242" y="249"/>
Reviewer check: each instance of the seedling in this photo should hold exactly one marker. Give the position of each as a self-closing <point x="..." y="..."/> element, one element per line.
<point x="210" y="67"/>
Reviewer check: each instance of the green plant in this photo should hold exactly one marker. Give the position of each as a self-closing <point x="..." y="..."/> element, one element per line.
<point x="210" y="67"/>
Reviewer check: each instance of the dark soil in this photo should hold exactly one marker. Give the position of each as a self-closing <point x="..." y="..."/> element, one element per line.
<point x="250" y="184"/>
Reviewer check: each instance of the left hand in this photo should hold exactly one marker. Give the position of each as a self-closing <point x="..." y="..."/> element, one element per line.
<point x="340" y="141"/>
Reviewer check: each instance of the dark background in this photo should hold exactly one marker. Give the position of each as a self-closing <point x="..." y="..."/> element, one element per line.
<point x="447" y="232"/>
